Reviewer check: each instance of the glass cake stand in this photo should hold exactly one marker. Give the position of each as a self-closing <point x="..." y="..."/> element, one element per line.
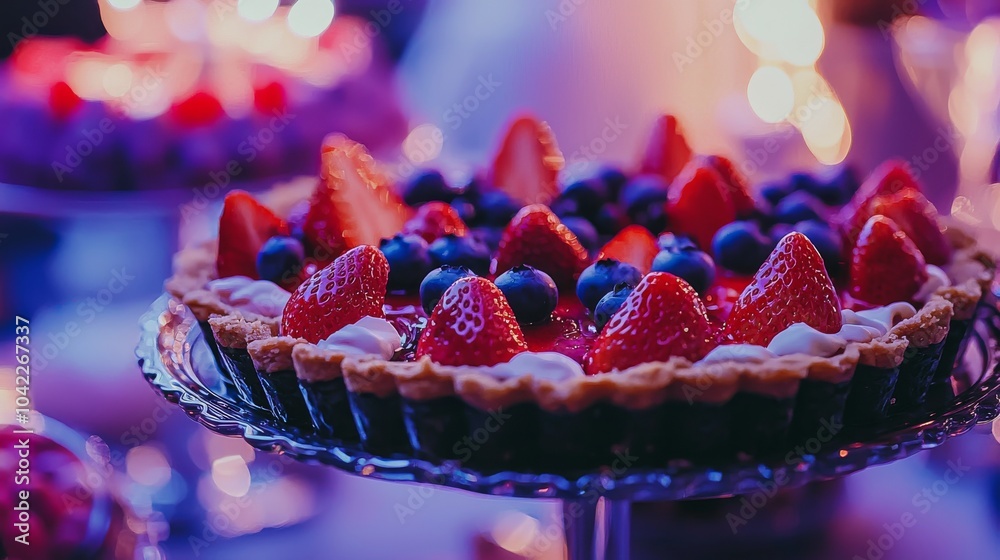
<point x="177" y="362"/>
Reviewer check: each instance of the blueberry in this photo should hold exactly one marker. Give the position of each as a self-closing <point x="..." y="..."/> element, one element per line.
<point x="846" y="179"/>
<point x="601" y="277"/>
<point x="670" y="241"/>
<point x="644" y="199"/>
<point x="280" y="260"/>
<point x="489" y="236"/>
<point x="496" y="208"/>
<point x="564" y="207"/>
<point x="693" y="265"/>
<point x="427" y="186"/>
<point x="437" y="281"/>
<point x="610" y="219"/>
<point x="465" y="209"/>
<point x="589" y="195"/>
<point x="610" y="304"/>
<point x="774" y="192"/>
<point x="409" y="261"/>
<point x="531" y="293"/>
<point x="802" y="181"/>
<point x="798" y="207"/>
<point x="827" y="241"/>
<point x="584" y="231"/>
<point x="468" y="251"/>
<point x="741" y="247"/>
<point x="829" y="192"/>
<point x="614" y="179"/>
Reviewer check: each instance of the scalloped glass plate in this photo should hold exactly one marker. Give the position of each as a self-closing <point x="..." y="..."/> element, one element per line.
<point x="177" y="362"/>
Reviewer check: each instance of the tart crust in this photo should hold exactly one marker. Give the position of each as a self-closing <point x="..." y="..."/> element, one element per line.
<point x="313" y="363"/>
<point x="964" y="298"/>
<point x="235" y="331"/>
<point x="273" y="354"/>
<point x="929" y="326"/>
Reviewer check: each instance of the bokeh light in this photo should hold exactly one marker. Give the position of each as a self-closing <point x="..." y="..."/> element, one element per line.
<point x="770" y="94"/>
<point x="310" y="18"/>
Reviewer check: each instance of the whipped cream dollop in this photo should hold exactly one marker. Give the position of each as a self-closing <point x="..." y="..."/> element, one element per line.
<point x="800" y="338"/>
<point x="880" y="318"/>
<point x="936" y="278"/>
<point x="743" y="353"/>
<point x="541" y="365"/>
<point x="368" y="336"/>
<point x="261" y="297"/>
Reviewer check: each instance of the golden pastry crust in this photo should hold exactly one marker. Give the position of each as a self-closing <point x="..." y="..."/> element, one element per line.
<point x="370" y="376"/>
<point x="313" y="363"/>
<point x="273" y="354"/>
<point x="963" y="297"/>
<point x="929" y="326"/>
<point x="235" y="331"/>
<point x="884" y="352"/>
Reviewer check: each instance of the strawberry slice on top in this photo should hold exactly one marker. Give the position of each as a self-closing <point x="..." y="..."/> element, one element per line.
<point x="537" y="238"/>
<point x="243" y="228"/>
<point x="353" y="203"/>
<point x="735" y="183"/>
<point x="662" y="317"/>
<point x="351" y="287"/>
<point x="667" y="151"/>
<point x="792" y="286"/>
<point x="886" y="180"/>
<point x="633" y="245"/>
<point x="435" y="219"/>
<point x="918" y="218"/>
<point x="528" y="162"/>
<point x="886" y="266"/>
<point x="472" y="325"/>
<point x="699" y="205"/>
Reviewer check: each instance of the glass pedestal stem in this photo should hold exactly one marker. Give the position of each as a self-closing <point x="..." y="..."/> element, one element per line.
<point x="597" y="530"/>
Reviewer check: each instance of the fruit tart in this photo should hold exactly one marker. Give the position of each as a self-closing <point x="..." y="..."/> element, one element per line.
<point x="635" y="317"/>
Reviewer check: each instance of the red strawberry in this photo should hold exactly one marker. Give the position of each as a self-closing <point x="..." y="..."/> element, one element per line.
<point x="887" y="179"/>
<point x="886" y="266"/>
<point x="528" y="162"/>
<point x="918" y="218"/>
<point x="792" y="286"/>
<point x="434" y="220"/>
<point x="667" y="151"/>
<point x="243" y="228"/>
<point x="351" y="287"/>
<point x="633" y="245"/>
<point x="472" y="325"/>
<point x="537" y="238"/>
<point x="699" y="205"/>
<point x="734" y="182"/>
<point x="353" y="203"/>
<point x="662" y="317"/>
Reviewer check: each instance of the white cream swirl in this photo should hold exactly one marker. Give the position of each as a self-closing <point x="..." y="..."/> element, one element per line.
<point x="936" y="279"/>
<point x="800" y="338"/>
<point x="368" y="336"/>
<point x="261" y="297"/>
<point x="742" y="353"/>
<point x="881" y="318"/>
<point x="541" y="365"/>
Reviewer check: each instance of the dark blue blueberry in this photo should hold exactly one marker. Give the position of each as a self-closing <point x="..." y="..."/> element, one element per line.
<point x="841" y="179"/>
<point x="496" y="208"/>
<point x="280" y="260"/>
<point x="465" y="209"/>
<point x="741" y="247"/>
<point x="610" y="304"/>
<point x="614" y="179"/>
<point x="427" y="186"/>
<point x="671" y="242"/>
<point x="610" y="219"/>
<point x="409" y="261"/>
<point x="584" y="231"/>
<point x="489" y="236"/>
<point x="531" y="293"/>
<point x="802" y="181"/>
<point x="693" y="265"/>
<point x="589" y="195"/>
<point x="644" y="199"/>
<point x="798" y="207"/>
<point x="564" y="207"/>
<point x="828" y="190"/>
<point x="437" y="281"/>
<point x="601" y="277"/>
<point x="468" y="251"/>
<point x="827" y="241"/>
<point x="774" y="192"/>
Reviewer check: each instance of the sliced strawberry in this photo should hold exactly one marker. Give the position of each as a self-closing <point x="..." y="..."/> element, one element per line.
<point x="472" y="325"/>
<point x="434" y="220"/>
<point x="537" y="238"/>
<point x="792" y="286"/>
<point x="528" y="162"/>
<point x="918" y="218"/>
<point x="353" y="203"/>
<point x="886" y="266"/>
<point x="243" y="228"/>
<point x="662" y="317"/>
<point x="633" y="245"/>
<point x="699" y="204"/>
<point x="667" y="151"/>
<point x="351" y="287"/>
<point x="735" y="183"/>
<point x="887" y="179"/>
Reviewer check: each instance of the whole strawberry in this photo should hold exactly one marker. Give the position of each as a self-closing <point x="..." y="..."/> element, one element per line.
<point x="351" y="287"/>
<point x="699" y="205"/>
<point x="667" y="151"/>
<point x="662" y="317"/>
<point x="918" y="218"/>
<point x="472" y="325"/>
<point x="243" y="228"/>
<point x="792" y="286"/>
<point x="886" y="266"/>
<point x="633" y="245"/>
<point x="433" y="220"/>
<point x="735" y="183"/>
<point x="537" y="238"/>
<point x="528" y="162"/>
